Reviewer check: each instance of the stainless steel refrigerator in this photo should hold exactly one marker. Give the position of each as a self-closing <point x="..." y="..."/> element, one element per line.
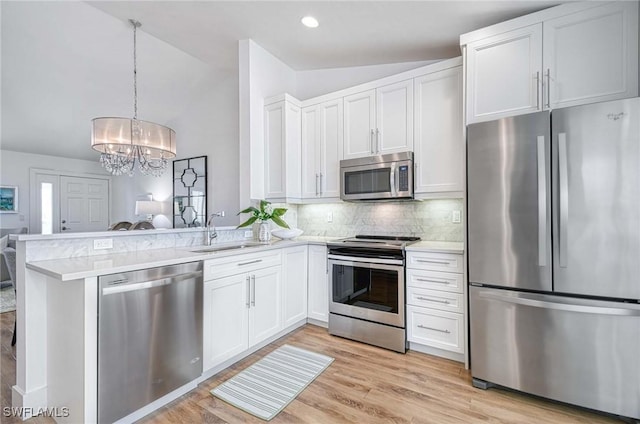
<point x="554" y="254"/>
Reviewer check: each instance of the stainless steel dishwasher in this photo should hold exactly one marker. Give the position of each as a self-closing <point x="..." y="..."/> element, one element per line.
<point x="149" y="336"/>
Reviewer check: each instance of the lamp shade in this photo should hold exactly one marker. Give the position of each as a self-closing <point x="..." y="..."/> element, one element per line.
<point x="119" y="135"/>
<point x="151" y="207"/>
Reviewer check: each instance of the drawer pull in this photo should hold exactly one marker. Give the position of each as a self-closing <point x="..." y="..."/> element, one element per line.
<point x="250" y="262"/>
<point x="433" y="261"/>
<point x="434" y="329"/>
<point x="446" y="302"/>
<point x="433" y="281"/>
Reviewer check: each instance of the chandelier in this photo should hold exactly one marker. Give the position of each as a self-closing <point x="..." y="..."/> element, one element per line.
<point x="124" y="141"/>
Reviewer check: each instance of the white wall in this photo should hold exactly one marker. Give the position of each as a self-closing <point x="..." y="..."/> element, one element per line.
<point x="261" y="75"/>
<point x="322" y="81"/>
<point x="14" y="170"/>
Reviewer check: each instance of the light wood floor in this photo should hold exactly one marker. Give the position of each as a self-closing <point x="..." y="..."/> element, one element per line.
<point x="363" y="385"/>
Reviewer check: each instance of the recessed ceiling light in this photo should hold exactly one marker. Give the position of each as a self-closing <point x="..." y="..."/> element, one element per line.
<point x="310" y="22"/>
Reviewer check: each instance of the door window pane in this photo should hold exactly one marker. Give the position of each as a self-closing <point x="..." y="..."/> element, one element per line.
<point x="46" y="208"/>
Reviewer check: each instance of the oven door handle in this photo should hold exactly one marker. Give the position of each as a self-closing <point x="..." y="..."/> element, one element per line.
<point x="372" y="262"/>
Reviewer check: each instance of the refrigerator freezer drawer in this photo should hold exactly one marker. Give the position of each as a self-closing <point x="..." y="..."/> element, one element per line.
<point x="578" y="351"/>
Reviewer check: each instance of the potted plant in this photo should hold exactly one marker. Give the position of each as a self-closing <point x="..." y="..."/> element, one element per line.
<point x="262" y="215"/>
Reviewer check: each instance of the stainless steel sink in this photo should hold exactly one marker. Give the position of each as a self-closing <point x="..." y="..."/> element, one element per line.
<point x="223" y="247"/>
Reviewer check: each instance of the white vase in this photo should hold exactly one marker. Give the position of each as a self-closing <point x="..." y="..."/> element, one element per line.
<point x="264" y="232"/>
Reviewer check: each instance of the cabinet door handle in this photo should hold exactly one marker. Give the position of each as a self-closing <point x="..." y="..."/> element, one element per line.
<point x="250" y="262"/>
<point x="432" y="281"/>
<point x="434" y="329"/>
<point x="548" y="88"/>
<point x="321" y="191"/>
<point x="373" y="149"/>
<point x="446" y="302"/>
<point x="377" y="140"/>
<point x="538" y="90"/>
<point x="248" y="292"/>
<point x="433" y="261"/>
<point x="253" y="290"/>
<point x="317" y="176"/>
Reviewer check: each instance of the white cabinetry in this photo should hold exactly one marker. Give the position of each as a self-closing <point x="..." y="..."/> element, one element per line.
<point x="294" y="285"/>
<point x="591" y="56"/>
<point x="379" y="121"/>
<point x="322" y="135"/>
<point x="318" y="298"/>
<point x="564" y="56"/>
<point x="435" y="303"/>
<point x="504" y="74"/>
<point x="242" y="304"/>
<point x="282" y="144"/>
<point x="439" y="133"/>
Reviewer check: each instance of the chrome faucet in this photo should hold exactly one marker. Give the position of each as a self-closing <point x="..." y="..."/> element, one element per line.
<point x="211" y="228"/>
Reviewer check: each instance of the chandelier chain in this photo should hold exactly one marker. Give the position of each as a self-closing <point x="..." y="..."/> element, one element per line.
<point x="135" y="24"/>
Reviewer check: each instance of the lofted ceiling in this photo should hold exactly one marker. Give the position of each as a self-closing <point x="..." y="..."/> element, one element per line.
<point x="64" y="63"/>
<point x="351" y="33"/>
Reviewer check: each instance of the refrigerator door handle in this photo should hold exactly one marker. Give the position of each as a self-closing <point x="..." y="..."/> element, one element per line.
<point x="522" y="299"/>
<point x="542" y="203"/>
<point x="563" y="203"/>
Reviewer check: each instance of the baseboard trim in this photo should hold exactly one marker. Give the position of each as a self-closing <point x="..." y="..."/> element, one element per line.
<point x="323" y="324"/>
<point x="458" y="357"/>
<point x="28" y="403"/>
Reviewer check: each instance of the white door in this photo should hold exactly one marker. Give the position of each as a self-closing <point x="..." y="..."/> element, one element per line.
<point x="84" y="204"/>
<point x="331" y="136"/>
<point x="318" y="297"/>
<point x="225" y="326"/>
<point x="45" y="218"/>
<point x="592" y="55"/>
<point x="394" y="118"/>
<point x="439" y="132"/>
<point x="265" y="313"/>
<point x="274" y="145"/>
<point x="359" y="125"/>
<point x="505" y="75"/>
<point x="294" y="285"/>
<point x="310" y="153"/>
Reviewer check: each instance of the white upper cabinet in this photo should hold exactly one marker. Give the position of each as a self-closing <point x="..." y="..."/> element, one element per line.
<point x="439" y="133"/>
<point x="504" y="74"/>
<point x="591" y="56"/>
<point x="322" y="135"/>
<point x="379" y="121"/>
<point x="394" y="117"/>
<point x="569" y="55"/>
<point x="359" y="124"/>
<point x="282" y="143"/>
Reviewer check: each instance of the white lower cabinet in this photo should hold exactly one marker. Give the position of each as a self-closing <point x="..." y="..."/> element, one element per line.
<point x="294" y="285"/>
<point x="318" y="298"/>
<point x="435" y="303"/>
<point x="240" y="310"/>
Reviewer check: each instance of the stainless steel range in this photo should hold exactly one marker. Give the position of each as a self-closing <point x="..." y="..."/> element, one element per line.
<point x="366" y="277"/>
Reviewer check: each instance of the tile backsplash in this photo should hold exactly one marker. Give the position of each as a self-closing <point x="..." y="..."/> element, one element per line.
<point x="428" y="219"/>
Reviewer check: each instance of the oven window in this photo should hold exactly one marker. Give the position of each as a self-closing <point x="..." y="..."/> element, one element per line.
<point x="368" y="181"/>
<point x="368" y="288"/>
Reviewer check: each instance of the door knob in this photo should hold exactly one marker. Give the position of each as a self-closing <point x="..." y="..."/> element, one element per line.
<point x="65" y="228"/>
<point x="64" y="221"/>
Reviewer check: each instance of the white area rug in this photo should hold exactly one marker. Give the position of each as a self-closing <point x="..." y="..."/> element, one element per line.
<point x="269" y="385"/>
<point x="7" y="300"/>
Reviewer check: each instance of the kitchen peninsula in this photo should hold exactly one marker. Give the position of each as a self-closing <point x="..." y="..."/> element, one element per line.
<point x="58" y="304"/>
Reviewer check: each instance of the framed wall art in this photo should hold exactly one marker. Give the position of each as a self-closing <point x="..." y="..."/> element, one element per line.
<point x="8" y="199"/>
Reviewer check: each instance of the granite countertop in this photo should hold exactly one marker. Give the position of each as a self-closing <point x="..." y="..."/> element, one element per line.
<point x="92" y="266"/>
<point x="436" y="246"/>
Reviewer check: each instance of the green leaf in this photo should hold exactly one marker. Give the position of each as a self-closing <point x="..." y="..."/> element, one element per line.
<point x="279" y="211"/>
<point x="248" y="210"/>
<point x="263" y="204"/>
<point x="248" y="222"/>
<point x="280" y="221"/>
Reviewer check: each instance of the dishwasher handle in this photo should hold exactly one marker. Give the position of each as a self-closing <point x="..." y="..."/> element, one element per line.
<point x="165" y="281"/>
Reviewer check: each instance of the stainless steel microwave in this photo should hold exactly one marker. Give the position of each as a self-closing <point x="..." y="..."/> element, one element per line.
<point x="382" y="177"/>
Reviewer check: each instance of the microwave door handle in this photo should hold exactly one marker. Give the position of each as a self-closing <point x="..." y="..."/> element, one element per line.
<point x="392" y="180"/>
<point x="397" y="180"/>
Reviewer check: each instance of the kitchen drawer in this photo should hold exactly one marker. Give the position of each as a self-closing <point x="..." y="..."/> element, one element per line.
<point x="447" y="262"/>
<point x="248" y="262"/>
<point x="435" y="299"/>
<point x="434" y="280"/>
<point x="439" y="329"/>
